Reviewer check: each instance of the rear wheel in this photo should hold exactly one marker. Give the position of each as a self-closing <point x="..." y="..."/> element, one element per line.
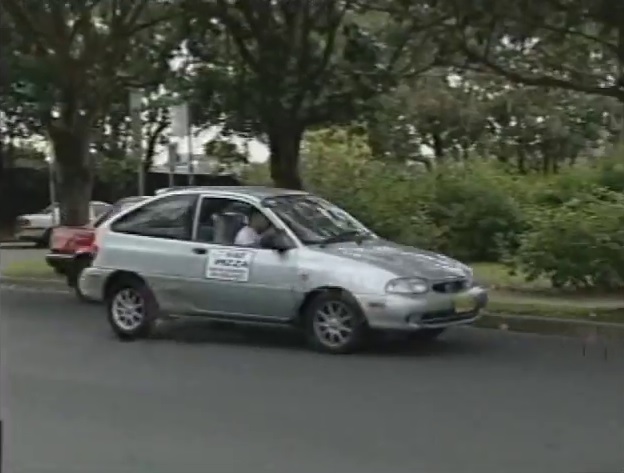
<point x="335" y="323"/>
<point x="132" y="309"/>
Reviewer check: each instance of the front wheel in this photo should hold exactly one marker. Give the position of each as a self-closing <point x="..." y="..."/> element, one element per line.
<point x="132" y="310"/>
<point x="334" y="323"/>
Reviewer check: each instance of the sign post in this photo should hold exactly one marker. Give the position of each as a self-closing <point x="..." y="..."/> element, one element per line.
<point x="136" y="104"/>
<point x="181" y="128"/>
<point x="172" y="155"/>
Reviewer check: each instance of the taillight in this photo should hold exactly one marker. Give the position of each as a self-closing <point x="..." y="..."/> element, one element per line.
<point x="84" y="239"/>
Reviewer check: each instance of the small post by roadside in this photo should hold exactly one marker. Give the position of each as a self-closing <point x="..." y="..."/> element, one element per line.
<point x="181" y="128"/>
<point x="52" y="184"/>
<point x="172" y="150"/>
<point x="136" y="103"/>
<point x="189" y="141"/>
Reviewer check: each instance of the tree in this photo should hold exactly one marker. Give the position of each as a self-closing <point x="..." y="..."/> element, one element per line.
<point x="435" y="110"/>
<point x="482" y="115"/>
<point x="577" y="45"/>
<point x="226" y="154"/>
<point x="78" y="55"/>
<point x="114" y="138"/>
<point x="281" y="68"/>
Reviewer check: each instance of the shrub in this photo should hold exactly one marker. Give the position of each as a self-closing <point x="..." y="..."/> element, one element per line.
<point x="386" y="197"/>
<point x="568" y="227"/>
<point x="561" y="188"/>
<point x="476" y="214"/>
<point x="578" y="245"/>
<point x="611" y="172"/>
<point x="257" y="174"/>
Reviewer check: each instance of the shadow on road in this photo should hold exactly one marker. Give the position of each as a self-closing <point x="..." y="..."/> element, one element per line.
<point x="198" y="332"/>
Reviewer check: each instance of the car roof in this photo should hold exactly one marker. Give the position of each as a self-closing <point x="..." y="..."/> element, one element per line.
<point x="257" y="192"/>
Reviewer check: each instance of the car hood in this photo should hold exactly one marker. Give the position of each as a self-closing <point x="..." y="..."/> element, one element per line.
<point x="404" y="261"/>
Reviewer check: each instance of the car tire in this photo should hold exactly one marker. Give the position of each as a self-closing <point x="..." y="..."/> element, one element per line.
<point x="126" y="324"/>
<point x="334" y="323"/>
<point x="426" y="335"/>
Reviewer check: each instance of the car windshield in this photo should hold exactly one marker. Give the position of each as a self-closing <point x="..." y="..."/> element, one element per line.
<point x="315" y="221"/>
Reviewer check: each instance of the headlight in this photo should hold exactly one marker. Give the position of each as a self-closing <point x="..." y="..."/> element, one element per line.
<point x="407" y="286"/>
<point x="469" y="275"/>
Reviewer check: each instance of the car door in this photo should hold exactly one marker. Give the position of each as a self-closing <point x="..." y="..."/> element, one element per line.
<point x="154" y="241"/>
<point x="242" y="281"/>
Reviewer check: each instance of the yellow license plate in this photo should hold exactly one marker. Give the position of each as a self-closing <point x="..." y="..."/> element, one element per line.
<point x="464" y="304"/>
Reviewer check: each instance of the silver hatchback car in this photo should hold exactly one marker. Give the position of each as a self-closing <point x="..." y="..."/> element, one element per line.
<point x="312" y="266"/>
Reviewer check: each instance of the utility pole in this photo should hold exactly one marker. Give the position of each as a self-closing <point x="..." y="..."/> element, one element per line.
<point x="172" y="150"/>
<point x="189" y="143"/>
<point x="136" y="103"/>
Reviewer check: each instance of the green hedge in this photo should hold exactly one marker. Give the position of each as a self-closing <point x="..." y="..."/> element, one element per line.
<point x="568" y="227"/>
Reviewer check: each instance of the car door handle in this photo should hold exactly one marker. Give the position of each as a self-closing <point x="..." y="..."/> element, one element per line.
<point x="200" y="251"/>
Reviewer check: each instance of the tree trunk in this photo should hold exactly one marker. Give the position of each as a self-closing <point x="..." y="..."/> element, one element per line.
<point x="285" y="148"/>
<point x="521" y="163"/>
<point x="438" y="148"/>
<point x="73" y="174"/>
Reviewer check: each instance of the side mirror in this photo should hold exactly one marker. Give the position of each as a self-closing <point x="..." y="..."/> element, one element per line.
<point x="276" y="240"/>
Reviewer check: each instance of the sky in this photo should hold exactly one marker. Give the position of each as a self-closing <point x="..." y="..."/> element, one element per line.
<point x="258" y="151"/>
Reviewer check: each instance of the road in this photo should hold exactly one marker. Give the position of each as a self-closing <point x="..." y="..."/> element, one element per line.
<point x="195" y="400"/>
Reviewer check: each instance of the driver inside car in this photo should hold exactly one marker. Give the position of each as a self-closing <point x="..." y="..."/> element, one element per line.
<point x="251" y="234"/>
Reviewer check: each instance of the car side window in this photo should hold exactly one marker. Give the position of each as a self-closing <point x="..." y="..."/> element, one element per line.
<point x="211" y="211"/>
<point x="170" y="217"/>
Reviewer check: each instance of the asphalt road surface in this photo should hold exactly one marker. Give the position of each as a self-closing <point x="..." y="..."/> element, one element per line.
<point x="197" y="400"/>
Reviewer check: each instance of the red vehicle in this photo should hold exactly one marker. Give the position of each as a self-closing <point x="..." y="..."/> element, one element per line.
<point x="71" y="248"/>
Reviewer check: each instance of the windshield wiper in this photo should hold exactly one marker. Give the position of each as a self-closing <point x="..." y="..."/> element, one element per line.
<point x="349" y="235"/>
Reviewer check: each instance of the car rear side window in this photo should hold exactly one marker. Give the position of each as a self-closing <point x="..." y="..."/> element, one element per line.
<point x="170" y="217"/>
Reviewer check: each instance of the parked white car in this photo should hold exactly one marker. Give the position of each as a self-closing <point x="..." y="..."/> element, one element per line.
<point x="37" y="227"/>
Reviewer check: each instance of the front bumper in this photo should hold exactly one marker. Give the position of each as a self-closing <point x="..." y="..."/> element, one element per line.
<point x="427" y="311"/>
<point x="93" y="281"/>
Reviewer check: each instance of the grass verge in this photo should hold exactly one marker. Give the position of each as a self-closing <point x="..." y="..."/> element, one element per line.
<point x="590" y="310"/>
<point x="512" y="294"/>
<point x="30" y="269"/>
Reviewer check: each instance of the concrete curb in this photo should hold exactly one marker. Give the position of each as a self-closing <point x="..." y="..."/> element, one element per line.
<point x="578" y="328"/>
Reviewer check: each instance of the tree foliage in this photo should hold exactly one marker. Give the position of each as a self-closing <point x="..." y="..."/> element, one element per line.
<point x="573" y="44"/>
<point x="74" y="57"/>
<point x="280" y="68"/>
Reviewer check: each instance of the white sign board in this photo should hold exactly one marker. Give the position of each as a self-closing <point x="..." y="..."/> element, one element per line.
<point x="229" y="265"/>
<point x="179" y="120"/>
